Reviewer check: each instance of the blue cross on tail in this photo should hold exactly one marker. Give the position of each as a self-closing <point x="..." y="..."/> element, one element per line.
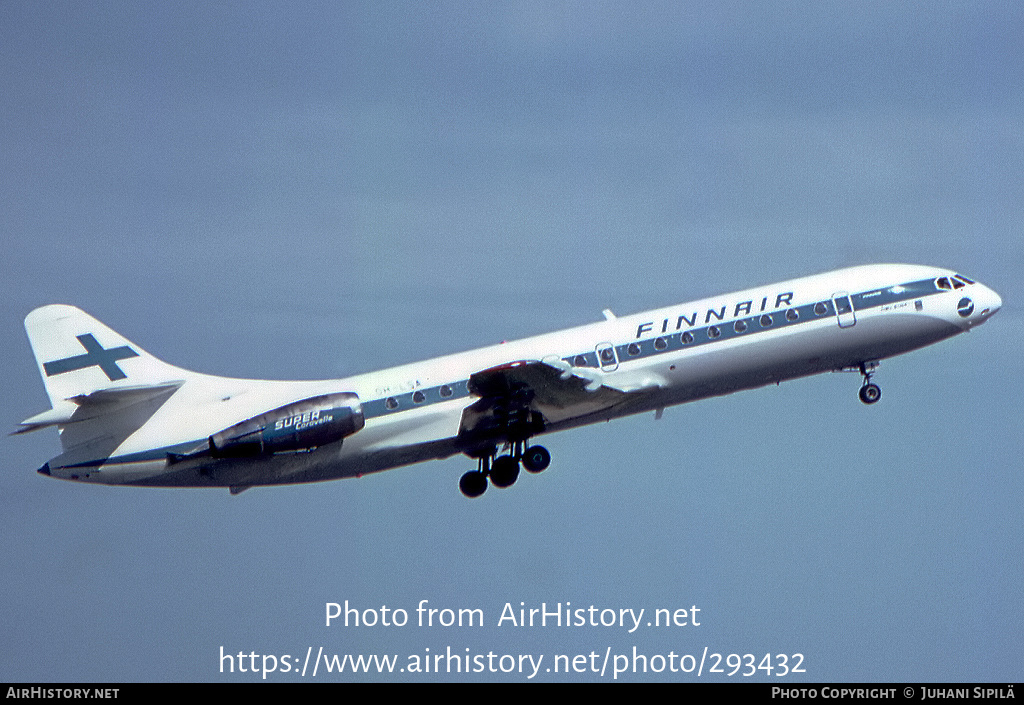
<point x="95" y="354"/>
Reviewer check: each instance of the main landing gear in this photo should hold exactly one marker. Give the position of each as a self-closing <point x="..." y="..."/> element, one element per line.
<point x="869" y="392"/>
<point x="503" y="470"/>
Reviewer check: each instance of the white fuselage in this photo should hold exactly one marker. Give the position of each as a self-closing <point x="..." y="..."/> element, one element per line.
<point x="658" y="358"/>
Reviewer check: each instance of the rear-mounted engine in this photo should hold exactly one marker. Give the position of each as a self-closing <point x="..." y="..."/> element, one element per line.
<point x="301" y="425"/>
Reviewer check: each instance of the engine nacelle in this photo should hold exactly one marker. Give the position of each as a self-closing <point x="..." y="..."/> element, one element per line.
<point x="301" y="425"/>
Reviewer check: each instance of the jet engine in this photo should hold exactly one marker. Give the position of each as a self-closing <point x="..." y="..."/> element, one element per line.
<point x="301" y="425"/>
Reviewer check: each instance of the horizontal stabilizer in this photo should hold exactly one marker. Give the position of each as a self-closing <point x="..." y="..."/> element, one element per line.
<point x="52" y="417"/>
<point x="118" y="397"/>
<point x="89" y="406"/>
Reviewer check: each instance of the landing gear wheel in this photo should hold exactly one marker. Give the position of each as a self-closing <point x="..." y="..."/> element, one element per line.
<point x="473" y="483"/>
<point x="870" y="393"/>
<point x="504" y="471"/>
<point x="536" y="458"/>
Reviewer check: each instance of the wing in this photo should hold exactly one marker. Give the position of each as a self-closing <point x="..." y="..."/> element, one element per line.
<point x="520" y="399"/>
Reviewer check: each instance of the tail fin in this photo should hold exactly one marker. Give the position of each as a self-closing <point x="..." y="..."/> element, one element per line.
<point x="89" y="370"/>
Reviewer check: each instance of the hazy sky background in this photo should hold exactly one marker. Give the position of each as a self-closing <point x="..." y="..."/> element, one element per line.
<point x="311" y="190"/>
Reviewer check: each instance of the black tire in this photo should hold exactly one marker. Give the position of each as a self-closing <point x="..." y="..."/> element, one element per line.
<point x="473" y="483"/>
<point x="870" y="393"/>
<point x="536" y="458"/>
<point x="504" y="471"/>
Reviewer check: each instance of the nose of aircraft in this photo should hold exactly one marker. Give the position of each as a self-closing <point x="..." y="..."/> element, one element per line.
<point x="976" y="305"/>
<point x="987" y="303"/>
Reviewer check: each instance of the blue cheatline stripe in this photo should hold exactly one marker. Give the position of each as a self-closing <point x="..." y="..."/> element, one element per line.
<point x="692" y="337"/>
<point x="647" y="347"/>
<point x="424" y="396"/>
<point x="753" y="324"/>
<point x="141" y="456"/>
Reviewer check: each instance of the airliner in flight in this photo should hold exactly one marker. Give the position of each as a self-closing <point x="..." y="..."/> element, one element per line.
<point x="127" y="418"/>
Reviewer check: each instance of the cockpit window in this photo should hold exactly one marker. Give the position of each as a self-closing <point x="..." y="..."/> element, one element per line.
<point x="964" y="279"/>
<point x="943" y="283"/>
<point x="957" y="284"/>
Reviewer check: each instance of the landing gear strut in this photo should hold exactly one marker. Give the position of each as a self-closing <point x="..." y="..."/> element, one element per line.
<point x="869" y="392"/>
<point x="503" y="470"/>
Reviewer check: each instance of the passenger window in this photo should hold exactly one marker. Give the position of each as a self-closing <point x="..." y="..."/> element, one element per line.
<point x="417" y="397"/>
<point x="792" y="314"/>
<point x="391" y="403"/>
<point x="766" y="320"/>
<point x="633" y="349"/>
<point x="820" y="309"/>
<point x="739" y="326"/>
<point x="580" y="361"/>
<point x="713" y="332"/>
<point x="446" y="391"/>
<point x="687" y="338"/>
<point x="660" y="343"/>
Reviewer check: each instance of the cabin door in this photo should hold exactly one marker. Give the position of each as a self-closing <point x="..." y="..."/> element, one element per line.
<point x="844" y="309"/>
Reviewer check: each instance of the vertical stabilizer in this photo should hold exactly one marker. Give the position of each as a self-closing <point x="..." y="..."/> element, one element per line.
<point x="77" y="355"/>
<point x="102" y="386"/>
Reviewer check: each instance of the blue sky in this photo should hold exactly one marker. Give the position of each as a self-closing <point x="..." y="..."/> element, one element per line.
<point x="303" y="191"/>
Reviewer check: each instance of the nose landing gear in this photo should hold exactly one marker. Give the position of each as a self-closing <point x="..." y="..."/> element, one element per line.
<point x="869" y="392"/>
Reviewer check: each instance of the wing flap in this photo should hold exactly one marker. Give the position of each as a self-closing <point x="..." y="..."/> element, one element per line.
<point x="550" y="385"/>
<point x="532" y="393"/>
